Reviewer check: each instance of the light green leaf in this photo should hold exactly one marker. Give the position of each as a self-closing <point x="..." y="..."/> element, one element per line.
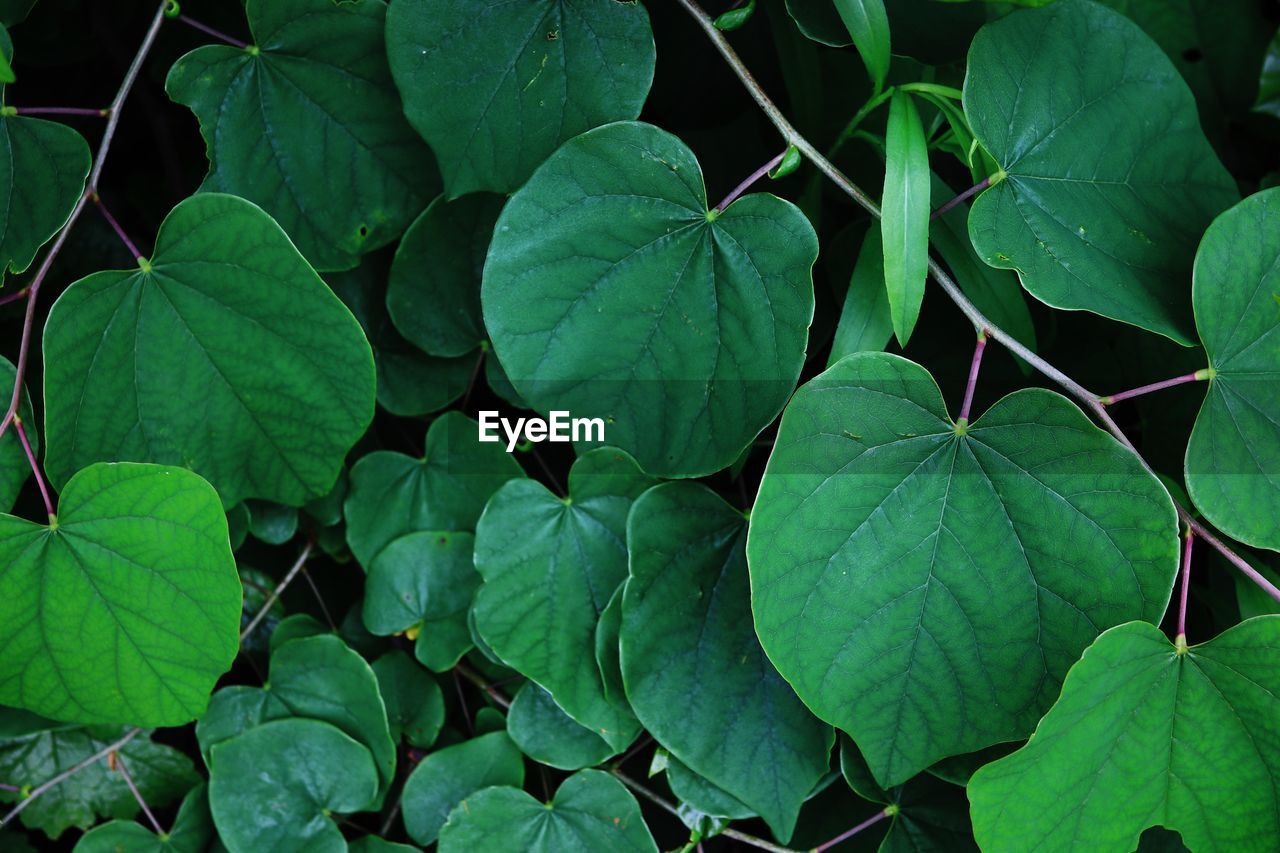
<point x="925" y="586"/>
<point x="905" y="210"/>
<point x="550" y="70"/>
<point x="1233" y="456"/>
<point x="1143" y="736"/>
<point x="683" y="329"/>
<point x="138" y="560"/>
<point x="410" y="382"/>
<point x="313" y="677"/>
<point x="45" y="164"/>
<point x="161" y="773"/>
<point x="548" y="735"/>
<point x="448" y="776"/>
<point x="694" y="670"/>
<point x="865" y="322"/>
<point x="1112" y="233"/>
<point x="550" y="566"/>
<point x="433" y="294"/>
<point x="393" y="494"/>
<point x="192" y="831"/>
<point x="14" y="466"/>
<point x="868" y="26"/>
<point x="275" y="786"/>
<point x="423" y="583"/>
<point x="591" y="812"/>
<point x="307" y="123"/>
<point x="227" y="306"/>
<point x="415" y="705"/>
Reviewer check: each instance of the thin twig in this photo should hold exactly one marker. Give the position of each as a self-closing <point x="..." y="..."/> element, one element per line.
<point x="280" y="588"/>
<point x="60" y="111"/>
<point x="1198" y="376"/>
<point x="847" y="834"/>
<point x="137" y="795"/>
<point x="961" y="199"/>
<point x="315" y="590"/>
<point x="15" y="296"/>
<point x="91" y="187"/>
<point x="748" y="181"/>
<point x="1086" y="398"/>
<point x="479" y="681"/>
<point x="210" y="31"/>
<point x="115" y="226"/>
<point x="1180" y="639"/>
<point x="758" y="843"/>
<point x="972" y="384"/>
<point x="35" y="468"/>
<point x="67" y="774"/>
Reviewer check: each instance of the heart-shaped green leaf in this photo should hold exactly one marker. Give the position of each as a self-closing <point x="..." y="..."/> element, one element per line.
<point x="433" y="293"/>
<point x="1233" y="457"/>
<point x="275" y="786"/>
<point x="550" y="69"/>
<point x="611" y="291"/>
<point x="446" y="777"/>
<point x="550" y="566"/>
<point x="228" y="306"/>
<point x="393" y="494"/>
<point x="415" y="705"/>
<point x="591" y="812"/>
<point x="925" y="585"/>
<point x="161" y="773"/>
<point x="423" y="582"/>
<point x="307" y="124"/>
<point x="44" y="164"/>
<point x="1112" y="233"/>
<point x="548" y="735"/>
<point x="314" y="677"/>
<point x="138" y="560"/>
<point x="192" y="831"/>
<point x="14" y="466"/>
<point x="1147" y="735"/>
<point x="694" y="670"/>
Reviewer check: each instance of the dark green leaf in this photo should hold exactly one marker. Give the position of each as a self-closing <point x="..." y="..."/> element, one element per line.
<point x="14" y="467"/>
<point x="548" y="735"/>
<point x="415" y="705"/>
<point x="868" y="26"/>
<point x="865" y="322"/>
<point x="192" y="831"/>
<point x="612" y="292"/>
<point x="447" y="777"/>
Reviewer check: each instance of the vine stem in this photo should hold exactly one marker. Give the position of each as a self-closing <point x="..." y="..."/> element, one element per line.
<point x="15" y="296"/>
<point x="60" y="111"/>
<point x="137" y="795"/>
<point x="210" y="31"/>
<point x="1180" y="639"/>
<point x="115" y="226"/>
<point x="972" y="384"/>
<point x="961" y="199"/>
<point x="750" y="179"/>
<point x="280" y="588"/>
<point x="67" y="774"/>
<point x="1198" y="376"/>
<point x="1086" y="398"/>
<point x="35" y="468"/>
<point x="91" y="187"/>
<point x="887" y="811"/>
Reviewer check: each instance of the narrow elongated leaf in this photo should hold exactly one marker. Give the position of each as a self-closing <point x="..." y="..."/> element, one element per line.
<point x="306" y="123"/>
<point x="591" y="812"/>
<point x="683" y="328"/>
<point x="275" y="786"/>
<point x="694" y="670"/>
<point x="44" y="165"/>
<point x="228" y="306"/>
<point x="447" y="777"/>
<point x="393" y="494"/>
<point x="138" y="560"/>
<point x="924" y="585"/>
<point x="162" y="774"/>
<point x="433" y="294"/>
<point x="1145" y="735"/>
<point x="866" y="324"/>
<point x="1111" y="234"/>
<point x="868" y="26"/>
<point x="1233" y="457"/>
<point x="550" y="566"/>
<point x="14" y="466"/>
<point x="318" y="678"/>
<point x="551" y="69"/>
<point x="905" y="209"/>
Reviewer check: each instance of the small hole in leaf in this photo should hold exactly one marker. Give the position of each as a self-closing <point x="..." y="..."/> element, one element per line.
<point x="364" y="231"/>
<point x="1193" y="54"/>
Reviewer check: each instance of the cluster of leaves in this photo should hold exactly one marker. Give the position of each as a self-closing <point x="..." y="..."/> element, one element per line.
<point x="925" y="631"/>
